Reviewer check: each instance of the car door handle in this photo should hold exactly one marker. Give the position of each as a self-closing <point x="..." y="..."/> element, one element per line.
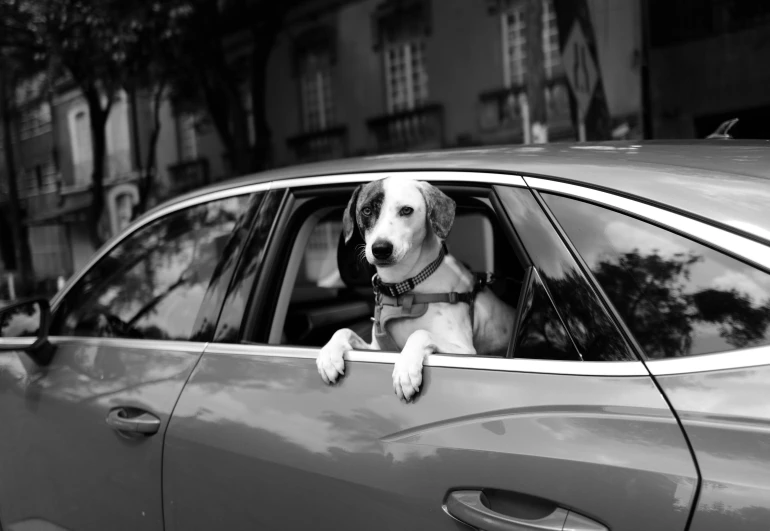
<point x="467" y="506"/>
<point x="132" y="420"/>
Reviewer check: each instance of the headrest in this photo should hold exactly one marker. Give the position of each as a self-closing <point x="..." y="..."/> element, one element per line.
<point x="354" y="270"/>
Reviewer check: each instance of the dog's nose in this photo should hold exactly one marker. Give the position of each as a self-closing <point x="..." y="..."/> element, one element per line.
<point x="382" y="249"/>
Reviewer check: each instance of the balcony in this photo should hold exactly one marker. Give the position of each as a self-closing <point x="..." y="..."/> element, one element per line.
<point x="320" y="145"/>
<point x="418" y="129"/>
<point x="502" y="113"/>
<point x="188" y="175"/>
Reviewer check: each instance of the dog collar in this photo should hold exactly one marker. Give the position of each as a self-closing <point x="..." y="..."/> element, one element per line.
<point x="394" y="290"/>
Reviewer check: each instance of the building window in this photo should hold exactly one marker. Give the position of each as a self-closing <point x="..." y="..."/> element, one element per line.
<point x="124" y="207"/>
<point x="401" y="30"/>
<point x="40" y="179"/>
<point x="316" y="97"/>
<point x="248" y="111"/>
<point x="405" y="75"/>
<point x="35" y="120"/>
<point x="514" y="30"/>
<point x="80" y="138"/>
<point x="188" y="141"/>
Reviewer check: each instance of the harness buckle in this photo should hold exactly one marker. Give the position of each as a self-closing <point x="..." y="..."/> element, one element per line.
<point x="454" y="297"/>
<point x="407" y="301"/>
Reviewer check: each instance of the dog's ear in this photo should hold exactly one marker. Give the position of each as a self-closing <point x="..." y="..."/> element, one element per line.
<point x="349" y="223"/>
<point x="440" y="209"/>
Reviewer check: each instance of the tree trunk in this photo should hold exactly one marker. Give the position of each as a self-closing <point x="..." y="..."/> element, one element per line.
<point x="150" y="166"/>
<point x="98" y="121"/>
<point x="223" y="104"/>
<point x="23" y="254"/>
<point x="538" y="118"/>
<point x="263" y="46"/>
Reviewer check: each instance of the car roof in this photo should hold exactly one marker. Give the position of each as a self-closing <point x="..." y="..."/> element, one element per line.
<point x="723" y="181"/>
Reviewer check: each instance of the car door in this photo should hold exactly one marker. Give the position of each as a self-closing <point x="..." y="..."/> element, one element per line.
<point x="696" y="298"/>
<point x="82" y="436"/>
<point x="570" y="432"/>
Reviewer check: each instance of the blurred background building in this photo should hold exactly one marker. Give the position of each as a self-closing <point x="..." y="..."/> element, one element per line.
<point x="335" y="78"/>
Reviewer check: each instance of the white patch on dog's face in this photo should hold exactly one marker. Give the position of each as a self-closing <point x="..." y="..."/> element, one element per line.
<point x="392" y="217"/>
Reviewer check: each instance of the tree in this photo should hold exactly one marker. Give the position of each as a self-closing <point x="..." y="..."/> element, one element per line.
<point x="92" y="41"/>
<point x="19" y="57"/>
<point x="218" y="80"/>
<point x="23" y="255"/>
<point x="203" y="75"/>
<point x="153" y="63"/>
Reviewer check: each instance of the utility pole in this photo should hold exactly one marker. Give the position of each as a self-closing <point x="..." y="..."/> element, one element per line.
<point x="538" y="116"/>
<point x="20" y="235"/>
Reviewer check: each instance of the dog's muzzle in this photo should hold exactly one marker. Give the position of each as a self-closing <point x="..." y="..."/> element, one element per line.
<point x="382" y="249"/>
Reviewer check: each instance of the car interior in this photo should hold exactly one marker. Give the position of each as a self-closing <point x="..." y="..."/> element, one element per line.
<point x="327" y="283"/>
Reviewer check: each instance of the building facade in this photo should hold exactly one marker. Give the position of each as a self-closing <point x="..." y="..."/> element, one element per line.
<point x="708" y="64"/>
<point x="54" y="162"/>
<point x="380" y="76"/>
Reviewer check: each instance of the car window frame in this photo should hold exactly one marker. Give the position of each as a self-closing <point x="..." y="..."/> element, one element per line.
<point x="303" y="207"/>
<point x="340" y="182"/>
<point x="155" y="215"/>
<point x="714" y="236"/>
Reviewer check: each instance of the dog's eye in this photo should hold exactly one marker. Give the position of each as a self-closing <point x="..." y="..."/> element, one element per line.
<point x="366" y="211"/>
<point x="406" y="211"/>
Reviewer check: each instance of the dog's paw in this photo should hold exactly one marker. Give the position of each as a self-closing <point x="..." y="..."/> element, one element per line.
<point x="407" y="376"/>
<point x="330" y="361"/>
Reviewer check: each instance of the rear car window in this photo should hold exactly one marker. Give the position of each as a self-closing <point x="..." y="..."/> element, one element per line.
<point x="678" y="297"/>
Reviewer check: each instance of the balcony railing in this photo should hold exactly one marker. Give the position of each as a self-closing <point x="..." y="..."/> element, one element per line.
<point x="421" y="128"/>
<point x="328" y="144"/>
<point x="502" y="112"/>
<point x="188" y="175"/>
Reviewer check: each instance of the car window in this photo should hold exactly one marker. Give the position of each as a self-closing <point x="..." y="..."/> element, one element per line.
<point x="152" y="284"/>
<point x="581" y="311"/>
<point x="541" y="333"/>
<point x="678" y="297"/>
<point x="327" y="284"/>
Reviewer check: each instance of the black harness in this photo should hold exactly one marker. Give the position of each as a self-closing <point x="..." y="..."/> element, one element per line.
<point x="395" y="301"/>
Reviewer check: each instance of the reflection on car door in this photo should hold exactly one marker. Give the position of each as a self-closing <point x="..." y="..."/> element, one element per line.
<point x="259" y="442"/>
<point x="82" y="438"/>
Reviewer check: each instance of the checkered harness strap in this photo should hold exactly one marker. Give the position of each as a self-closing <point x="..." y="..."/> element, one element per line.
<point x="394" y="290"/>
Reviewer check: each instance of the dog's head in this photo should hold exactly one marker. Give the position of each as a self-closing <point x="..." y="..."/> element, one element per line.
<point x="395" y="215"/>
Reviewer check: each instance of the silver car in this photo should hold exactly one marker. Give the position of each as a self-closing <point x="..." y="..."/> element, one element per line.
<point x="171" y="384"/>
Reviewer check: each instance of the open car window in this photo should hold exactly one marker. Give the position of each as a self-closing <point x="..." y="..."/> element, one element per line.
<point x="326" y="284"/>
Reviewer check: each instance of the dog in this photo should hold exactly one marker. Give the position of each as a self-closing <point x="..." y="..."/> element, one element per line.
<point x="404" y="223"/>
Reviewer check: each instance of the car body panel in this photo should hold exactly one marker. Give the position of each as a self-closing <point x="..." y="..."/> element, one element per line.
<point x="259" y="441"/>
<point x="726" y="415"/>
<point x="61" y="465"/>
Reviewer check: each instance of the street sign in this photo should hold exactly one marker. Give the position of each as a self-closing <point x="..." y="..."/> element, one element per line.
<point x="581" y="70"/>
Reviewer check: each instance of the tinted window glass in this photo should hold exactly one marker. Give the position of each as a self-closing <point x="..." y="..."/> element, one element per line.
<point x="152" y="284"/>
<point x="589" y="324"/>
<point x="248" y="269"/>
<point x="541" y="333"/>
<point x="678" y="297"/>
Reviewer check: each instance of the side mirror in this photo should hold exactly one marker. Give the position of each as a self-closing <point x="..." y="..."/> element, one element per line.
<point x="24" y="326"/>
